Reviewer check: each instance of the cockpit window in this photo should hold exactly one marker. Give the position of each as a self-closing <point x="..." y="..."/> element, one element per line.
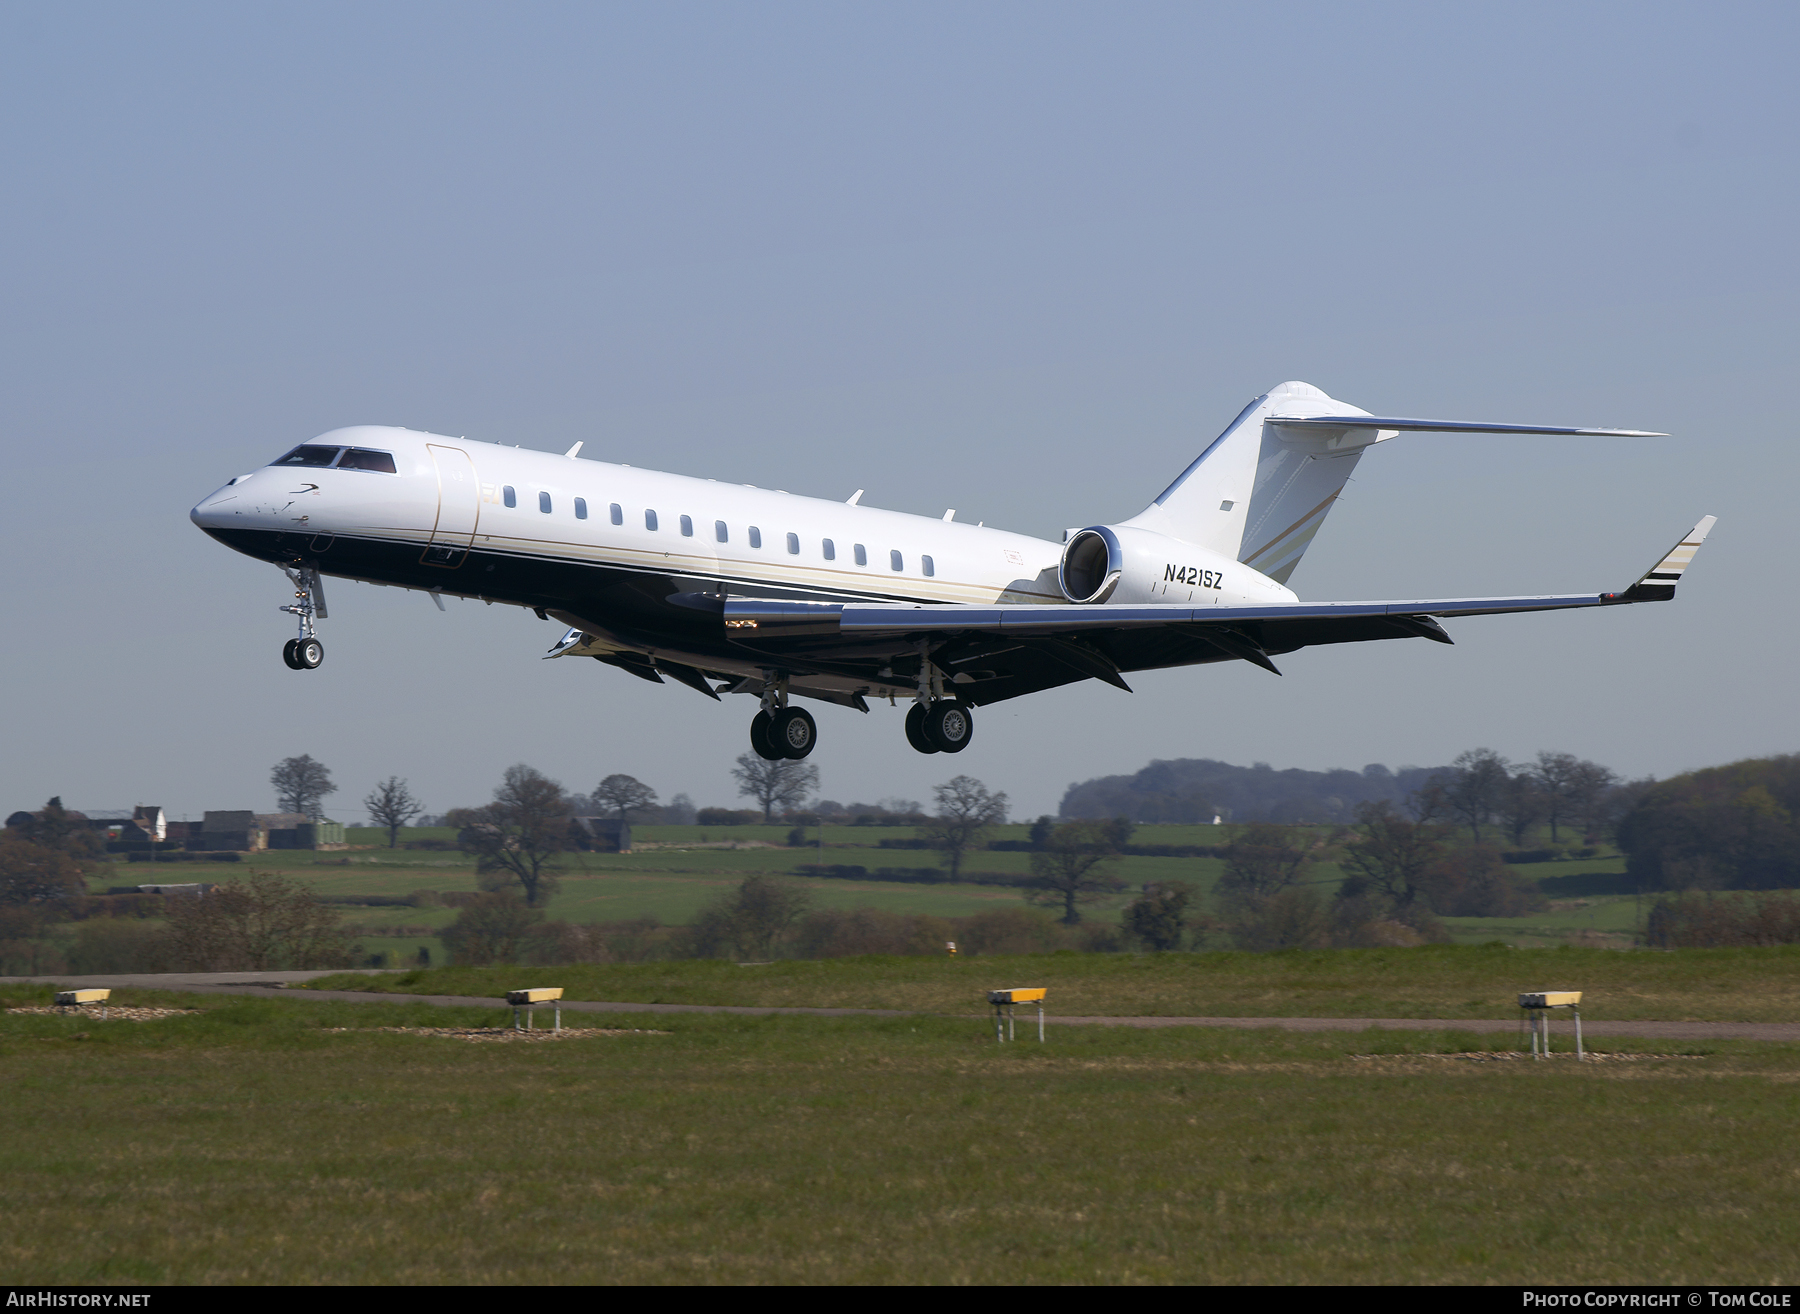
<point x="307" y="454"/>
<point x="359" y="458"/>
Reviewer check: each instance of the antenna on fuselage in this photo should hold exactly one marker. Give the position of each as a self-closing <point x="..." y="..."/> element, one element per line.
<point x="571" y="452"/>
<point x="854" y="498"/>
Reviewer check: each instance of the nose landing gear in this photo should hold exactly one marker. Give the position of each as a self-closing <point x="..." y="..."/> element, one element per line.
<point x="306" y="652"/>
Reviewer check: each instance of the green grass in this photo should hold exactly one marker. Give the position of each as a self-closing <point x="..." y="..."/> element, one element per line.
<point x="250" y="1145"/>
<point x="671" y="882"/>
<point x="1452" y="981"/>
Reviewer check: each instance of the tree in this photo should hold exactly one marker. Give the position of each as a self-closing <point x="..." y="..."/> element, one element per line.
<point x="517" y="836"/>
<point x="391" y="805"/>
<point x="624" y="795"/>
<point x="1590" y="795"/>
<point x="1262" y="861"/>
<point x="783" y="783"/>
<point x="1394" y="856"/>
<point x="491" y="928"/>
<point x="263" y="922"/>
<point x="1555" y="774"/>
<point x="751" y="919"/>
<point x="1522" y="804"/>
<point x="55" y="827"/>
<point x="301" y="785"/>
<point x="965" y="812"/>
<point x="1158" y="916"/>
<point x="1473" y="793"/>
<point x="1073" y="868"/>
<point x="36" y="875"/>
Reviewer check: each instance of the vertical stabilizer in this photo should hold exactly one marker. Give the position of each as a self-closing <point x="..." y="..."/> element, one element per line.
<point x="1261" y="490"/>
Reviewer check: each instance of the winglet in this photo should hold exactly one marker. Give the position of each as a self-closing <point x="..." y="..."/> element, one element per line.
<point x="1658" y="583"/>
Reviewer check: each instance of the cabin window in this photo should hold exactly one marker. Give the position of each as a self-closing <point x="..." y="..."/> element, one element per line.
<point x="896" y="561"/>
<point x="581" y="508"/>
<point x="829" y="549"/>
<point x="358" y="458"/>
<point x="926" y="565"/>
<point x="617" y="513"/>
<point x="720" y="532"/>
<point x="755" y="537"/>
<point x="793" y="545"/>
<point x="862" y="555"/>
<point x="544" y="503"/>
<point x="687" y="526"/>
<point x="309" y="454"/>
<point x="508" y="496"/>
<point x="649" y="518"/>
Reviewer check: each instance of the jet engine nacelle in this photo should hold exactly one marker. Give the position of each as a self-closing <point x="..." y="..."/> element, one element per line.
<point x="1116" y="563"/>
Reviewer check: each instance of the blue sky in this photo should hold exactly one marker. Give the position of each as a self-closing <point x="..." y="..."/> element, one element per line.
<point x="1023" y="260"/>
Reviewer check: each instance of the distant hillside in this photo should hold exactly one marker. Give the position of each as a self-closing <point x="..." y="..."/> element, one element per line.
<point x="1196" y="789"/>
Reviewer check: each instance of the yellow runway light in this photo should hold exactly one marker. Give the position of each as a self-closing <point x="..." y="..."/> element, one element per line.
<point x="525" y="999"/>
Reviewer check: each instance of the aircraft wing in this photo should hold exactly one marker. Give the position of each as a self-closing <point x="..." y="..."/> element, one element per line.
<point x="1009" y="650"/>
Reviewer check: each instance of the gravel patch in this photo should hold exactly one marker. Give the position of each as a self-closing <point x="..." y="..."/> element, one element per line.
<point x="504" y="1034"/>
<point x="114" y="1012"/>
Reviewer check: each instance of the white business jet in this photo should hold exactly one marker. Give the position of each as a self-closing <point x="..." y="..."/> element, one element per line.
<point x="735" y="589"/>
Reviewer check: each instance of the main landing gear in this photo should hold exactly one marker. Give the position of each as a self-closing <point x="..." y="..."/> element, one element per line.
<point x="943" y="727"/>
<point x="779" y="731"/>
<point x="936" y="723"/>
<point x="306" y="652"/>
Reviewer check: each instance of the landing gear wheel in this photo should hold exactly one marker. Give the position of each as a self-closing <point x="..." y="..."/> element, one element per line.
<point x="287" y="654"/>
<point x="308" y="653"/>
<point x="915" y="730"/>
<point x="762" y="739"/>
<point x="949" y="726"/>
<point x="793" y="732"/>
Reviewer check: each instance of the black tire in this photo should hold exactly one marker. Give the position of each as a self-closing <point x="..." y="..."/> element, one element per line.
<point x="287" y="654"/>
<point x="794" y="732"/>
<point x="762" y="740"/>
<point x="949" y="725"/>
<point x="915" y="730"/>
<point x="309" y="654"/>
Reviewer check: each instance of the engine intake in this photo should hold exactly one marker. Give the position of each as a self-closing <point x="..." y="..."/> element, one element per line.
<point x="1092" y="565"/>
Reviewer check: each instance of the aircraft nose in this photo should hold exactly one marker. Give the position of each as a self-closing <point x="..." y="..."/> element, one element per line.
<point x="210" y="512"/>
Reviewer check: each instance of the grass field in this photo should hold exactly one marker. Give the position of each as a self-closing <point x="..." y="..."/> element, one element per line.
<point x="1451" y="981"/>
<point x="670" y="878"/>
<point x="251" y="1144"/>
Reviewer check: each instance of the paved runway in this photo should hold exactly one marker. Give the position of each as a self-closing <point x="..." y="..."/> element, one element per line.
<point x="269" y="983"/>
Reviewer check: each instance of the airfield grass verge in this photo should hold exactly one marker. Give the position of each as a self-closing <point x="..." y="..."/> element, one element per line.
<point x="1440" y="981"/>
<point x="250" y="1143"/>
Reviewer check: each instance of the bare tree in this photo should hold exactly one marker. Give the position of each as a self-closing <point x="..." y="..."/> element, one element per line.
<point x="301" y="785"/>
<point x="1073" y="868"/>
<point x="1556" y="774"/>
<point x="783" y="783"/>
<point x="1262" y="861"/>
<point x="1394" y="856"/>
<point x="1590" y="797"/>
<point x="1522" y="804"/>
<point x="1474" y="792"/>
<point x="519" y="834"/>
<point x="391" y="805"/>
<point x="965" y="812"/>
<point x="263" y="922"/>
<point x="624" y="795"/>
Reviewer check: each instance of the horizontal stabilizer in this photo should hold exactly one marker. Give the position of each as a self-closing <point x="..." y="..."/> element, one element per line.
<point x="1443" y="426"/>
